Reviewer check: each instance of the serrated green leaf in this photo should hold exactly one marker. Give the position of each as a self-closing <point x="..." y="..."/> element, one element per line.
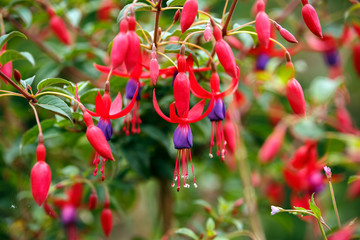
<point x="322" y="89"/>
<point x="138" y="7"/>
<point x="27" y="82"/>
<point x="172" y="3"/>
<point x="52" y="81"/>
<point x="314" y="208"/>
<point x="12" y="55"/>
<point x="31" y="135"/>
<point x="56" y="105"/>
<point x="308" y="129"/>
<point x="187" y="232"/>
<point x="6" y="37"/>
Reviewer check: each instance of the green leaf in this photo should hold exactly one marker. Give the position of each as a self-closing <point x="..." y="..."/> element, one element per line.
<point x="31" y="135"/>
<point x="138" y="7"/>
<point x="140" y="33"/>
<point x="12" y="55"/>
<point x="70" y="171"/>
<point x="322" y="89"/>
<point x="6" y="37"/>
<point x="308" y="129"/>
<point x="353" y="179"/>
<point x="203" y="203"/>
<point x="26" y="83"/>
<point x="25" y="14"/>
<point x="187" y="232"/>
<point x="314" y="208"/>
<point x="172" y="3"/>
<point x="52" y="81"/>
<point x="56" y="105"/>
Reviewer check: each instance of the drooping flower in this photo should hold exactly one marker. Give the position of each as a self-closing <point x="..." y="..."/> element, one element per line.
<point x="120" y="46"/>
<point x="59" y="28"/>
<point x="295" y="96"/>
<point x="262" y="25"/>
<point x="272" y="144"/>
<point x="133" y="52"/>
<point x="217" y="115"/>
<point x="182" y="137"/>
<point x="106" y="111"/>
<point x="311" y="18"/>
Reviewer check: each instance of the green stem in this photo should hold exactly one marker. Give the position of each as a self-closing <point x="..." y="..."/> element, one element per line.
<point x="23" y="92"/>
<point x="227" y="21"/>
<point x="321" y="229"/>
<point x="334" y="203"/>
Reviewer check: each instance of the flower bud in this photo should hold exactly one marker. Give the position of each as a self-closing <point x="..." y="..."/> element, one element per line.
<point x="154" y="67"/>
<point x="49" y="210"/>
<point x="59" y="28"/>
<point x="188" y="14"/>
<point x="17" y="75"/>
<point x="286" y="34"/>
<point x="106" y="221"/>
<point x="295" y="96"/>
<point x="176" y="16"/>
<point x="311" y="19"/>
<point x="263" y="28"/>
<point x="226" y="57"/>
<point x="272" y="144"/>
<point x="356" y="58"/>
<point x="133" y="52"/>
<point x="207" y="32"/>
<point x="120" y="46"/>
<point x="40" y="178"/>
<point x="93" y="200"/>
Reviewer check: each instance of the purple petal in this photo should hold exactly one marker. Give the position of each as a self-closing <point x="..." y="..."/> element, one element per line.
<point x="68" y="215"/>
<point x="262" y="61"/>
<point x="106" y="128"/>
<point x="183" y="137"/>
<point x="332" y="58"/>
<point x="218" y="111"/>
<point x="130" y="89"/>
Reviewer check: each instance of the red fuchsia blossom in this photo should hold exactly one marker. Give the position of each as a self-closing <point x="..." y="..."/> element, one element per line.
<point x="217" y="114"/>
<point x="356" y="58"/>
<point x="188" y="14"/>
<point x="272" y="144"/>
<point x="58" y="27"/>
<point x="133" y="53"/>
<point x="104" y="10"/>
<point x="303" y="155"/>
<point x="295" y="96"/>
<point x="182" y="137"/>
<point x="7" y="69"/>
<point x="224" y="53"/>
<point x="344" y="233"/>
<point x="40" y="176"/>
<point x="99" y="135"/>
<point x="311" y="18"/>
<point x="120" y="45"/>
<point x="154" y="67"/>
<point x="262" y="25"/>
<point x="106" y="219"/>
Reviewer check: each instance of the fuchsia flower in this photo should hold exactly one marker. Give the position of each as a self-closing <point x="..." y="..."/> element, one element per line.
<point x="59" y="28"/>
<point x="182" y="137"/>
<point x="120" y="46"/>
<point x="311" y="18"/>
<point x="262" y="24"/>
<point x="106" y="111"/>
<point x="217" y="114"/>
<point x="133" y="53"/>
<point x="188" y="14"/>
<point x="272" y="144"/>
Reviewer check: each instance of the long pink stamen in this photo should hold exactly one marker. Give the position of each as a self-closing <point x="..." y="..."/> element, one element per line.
<point x="102" y="170"/>
<point x="217" y="140"/>
<point x="96" y="162"/>
<point x="174" y="179"/>
<point x="211" y="139"/>
<point x="223" y="139"/>
<point x="192" y="169"/>
<point x="178" y="183"/>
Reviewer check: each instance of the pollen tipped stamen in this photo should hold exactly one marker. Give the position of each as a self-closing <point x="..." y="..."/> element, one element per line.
<point x="175" y="177"/>
<point x="192" y="168"/>
<point x="96" y="162"/>
<point x="212" y="139"/>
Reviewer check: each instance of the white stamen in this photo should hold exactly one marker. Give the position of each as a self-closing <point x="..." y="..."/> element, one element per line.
<point x="195" y="185"/>
<point x="210" y="155"/>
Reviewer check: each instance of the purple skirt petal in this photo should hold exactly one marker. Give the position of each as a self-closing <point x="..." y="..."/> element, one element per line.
<point x="332" y="58"/>
<point x="106" y="128"/>
<point x="183" y="137"/>
<point x="130" y="89"/>
<point x="68" y="215"/>
<point x="262" y="61"/>
<point x="218" y="111"/>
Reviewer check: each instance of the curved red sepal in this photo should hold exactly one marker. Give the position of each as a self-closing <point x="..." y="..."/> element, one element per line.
<point x="195" y="87"/>
<point x="173" y="116"/>
<point x="158" y="110"/>
<point x="209" y="109"/>
<point x="233" y="86"/>
<point x="116" y="104"/>
<point x="94" y="114"/>
<point x="128" y="107"/>
<point x="196" y="110"/>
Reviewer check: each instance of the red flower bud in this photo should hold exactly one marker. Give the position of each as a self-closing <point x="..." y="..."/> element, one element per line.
<point x="93" y="200"/>
<point x="120" y="46"/>
<point x="286" y="34"/>
<point x="272" y="144"/>
<point x="154" y="67"/>
<point x="176" y="16"/>
<point x="311" y="19"/>
<point x="106" y="221"/>
<point x="49" y="210"/>
<point x="295" y="96"/>
<point x="207" y="32"/>
<point x="263" y="28"/>
<point x="40" y="181"/>
<point x="188" y="14"/>
<point x="97" y="138"/>
<point x="59" y="28"/>
<point x="17" y="75"/>
<point x="133" y="52"/>
<point x="225" y="54"/>
<point x="356" y="58"/>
